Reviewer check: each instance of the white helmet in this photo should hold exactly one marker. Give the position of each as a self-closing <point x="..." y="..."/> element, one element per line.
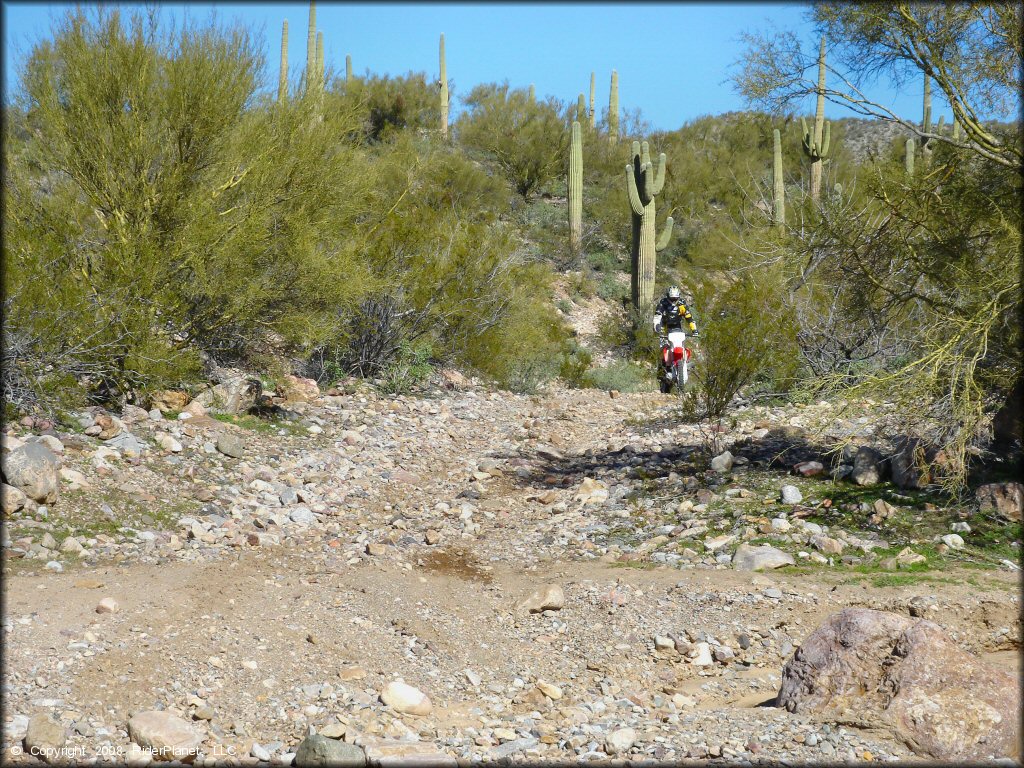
<point x="674" y="292"/>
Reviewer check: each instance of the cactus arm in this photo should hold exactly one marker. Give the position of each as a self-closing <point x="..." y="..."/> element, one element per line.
<point x="908" y="158"/>
<point x="808" y="140"/>
<point x="635" y="204"/>
<point x="826" y="140"/>
<point x="659" y="177"/>
<point x="666" y="235"/>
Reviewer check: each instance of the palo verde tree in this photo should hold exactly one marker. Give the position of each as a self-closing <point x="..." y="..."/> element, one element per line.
<point x="144" y="206"/>
<point x="526" y="138"/>
<point x="927" y="262"/>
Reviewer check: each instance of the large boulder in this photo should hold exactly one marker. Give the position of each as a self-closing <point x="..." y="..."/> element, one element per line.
<point x="1005" y="499"/>
<point x="295" y="389"/>
<point x="765" y="557"/>
<point x="32" y="469"/>
<point x="317" y="750"/>
<point x="909" y="464"/>
<point x="887" y="670"/>
<point x="235" y="392"/>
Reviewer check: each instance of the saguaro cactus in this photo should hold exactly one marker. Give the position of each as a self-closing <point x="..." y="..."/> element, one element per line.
<point x="319" y="61"/>
<point x="928" y="144"/>
<point x="533" y="93"/>
<point x="778" y="185"/>
<point x="282" y="82"/>
<point x="348" y="68"/>
<point x="581" y="108"/>
<point x="311" y="48"/>
<point x="643" y="184"/>
<point x="908" y="157"/>
<point x="443" y="85"/>
<point x="592" y="117"/>
<point x="574" y="184"/>
<point x="613" y="109"/>
<point x="817" y="143"/>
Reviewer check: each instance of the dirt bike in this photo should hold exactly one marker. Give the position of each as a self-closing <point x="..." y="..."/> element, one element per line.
<point x="676" y="359"/>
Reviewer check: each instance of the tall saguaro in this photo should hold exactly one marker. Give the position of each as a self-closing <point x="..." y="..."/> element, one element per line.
<point x="319" y="61"/>
<point x="311" y="49"/>
<point x="348" y="68"/>
<point x="643" y="185"/>
<point x="443" y="85"/>
<point x="592" y="117"/>
<point x="613" y="109"/>
<point x="574" y="185"/>
<point x="282" y="82"/>
<point x="778" y="183"/>
<point x="816" y="142"/>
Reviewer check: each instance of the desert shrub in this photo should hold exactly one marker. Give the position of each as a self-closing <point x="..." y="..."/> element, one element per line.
<point x="409" y="368"/>
<point x="611" y="289"/>
<point x="527" y="139"/>
<point x="748" y="333"/>
<point x="575" y="363"/>
<point x="621" y="375"/>
<point x="388" y="105"/>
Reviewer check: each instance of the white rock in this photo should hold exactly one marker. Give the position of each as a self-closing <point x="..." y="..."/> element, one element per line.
<point x="790" y="494"/>
<point x="405" y="698"/>
<point x="953" y="541"/>
<point x="619" y="741"/>
<point x="700" y="656"/>
<point x="550" y="597"/>
<point x="108" y="605"/>
<point x="167" y="735"/>
<point x="722" y="462"/>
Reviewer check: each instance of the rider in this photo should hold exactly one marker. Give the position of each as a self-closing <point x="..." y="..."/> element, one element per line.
<point x="671" y="313"/>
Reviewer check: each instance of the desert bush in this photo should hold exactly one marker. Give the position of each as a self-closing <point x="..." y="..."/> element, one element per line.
<point x="621" y="375"/>
<point x="748" y="333"/>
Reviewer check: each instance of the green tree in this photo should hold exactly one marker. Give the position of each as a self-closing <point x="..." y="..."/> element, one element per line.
<point x="528" y="140"/>
<point x="168" y="207"/>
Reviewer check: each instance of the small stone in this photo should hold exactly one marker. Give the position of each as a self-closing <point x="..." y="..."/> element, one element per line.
<point x="334" y="730"/>
<point x="790" y="494"/>
<point x="231" y="445"/>
<point x="108" y="605"/>
<point x="259" y="752"/>
<point x="45" y="737"/>
<point x="722" y="462"/>
<point x="550" y="690"/>
<point x="71" y="546"/>
<point x="809" y="468"/>
<point x="953" y="541"/>
<point x="432" y="537"/>
<point x="375" y="549"/>
<point x="700" y="656"/>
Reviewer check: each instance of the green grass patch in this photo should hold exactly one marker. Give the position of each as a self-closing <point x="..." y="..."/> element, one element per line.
<point x="263" y="426"/>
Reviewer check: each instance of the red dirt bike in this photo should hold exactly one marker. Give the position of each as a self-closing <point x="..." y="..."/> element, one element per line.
<point x="676" y="359"/>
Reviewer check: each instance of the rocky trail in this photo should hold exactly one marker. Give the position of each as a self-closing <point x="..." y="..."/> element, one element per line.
<point x="466" y="575"/>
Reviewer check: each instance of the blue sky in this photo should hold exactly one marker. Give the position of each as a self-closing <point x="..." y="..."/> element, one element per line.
<point x="673" y="59"/>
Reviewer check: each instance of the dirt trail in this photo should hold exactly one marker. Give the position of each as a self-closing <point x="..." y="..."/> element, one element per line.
<point x="260" y="644"/>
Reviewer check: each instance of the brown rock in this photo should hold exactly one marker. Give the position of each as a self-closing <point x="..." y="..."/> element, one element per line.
<point x="296" y="389"/>
<point x="1005" y="499"/>
<point x="453" y="379"/>
<point x="884" y="669"/>
<point x="169" y="400"/>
